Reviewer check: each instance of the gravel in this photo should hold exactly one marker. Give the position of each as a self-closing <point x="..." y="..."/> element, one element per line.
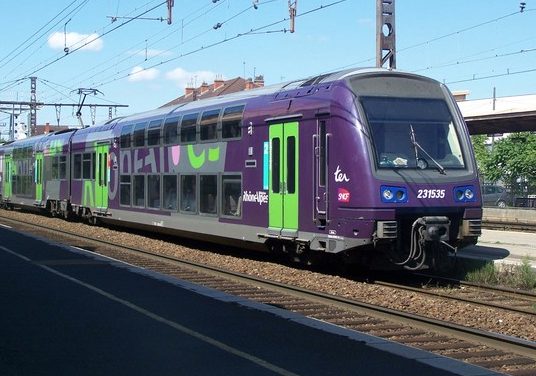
<point x="494" y="320"/>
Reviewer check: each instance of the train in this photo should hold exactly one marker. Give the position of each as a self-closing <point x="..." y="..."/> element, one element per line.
<point x="367" y="165"/>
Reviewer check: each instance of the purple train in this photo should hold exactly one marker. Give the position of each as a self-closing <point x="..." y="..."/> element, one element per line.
<point x="372" y="165"/>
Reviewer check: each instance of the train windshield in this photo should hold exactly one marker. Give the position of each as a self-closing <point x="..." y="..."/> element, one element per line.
<point x="413" y="133"/>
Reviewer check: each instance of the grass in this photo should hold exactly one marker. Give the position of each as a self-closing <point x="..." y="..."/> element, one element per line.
<point x="520" y="276"/>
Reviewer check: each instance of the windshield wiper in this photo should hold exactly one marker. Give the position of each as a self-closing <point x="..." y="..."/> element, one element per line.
<point x="416" y="146"/>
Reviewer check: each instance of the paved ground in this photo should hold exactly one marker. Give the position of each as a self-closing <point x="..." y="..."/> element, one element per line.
<point x="69" y="312"/>
<point x="503" y="246"/>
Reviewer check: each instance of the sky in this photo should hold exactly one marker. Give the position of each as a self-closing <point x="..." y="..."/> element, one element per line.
<point x="127" y="51"/>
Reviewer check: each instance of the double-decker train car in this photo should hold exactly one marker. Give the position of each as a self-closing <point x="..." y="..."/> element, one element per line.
<point x="359" y="163"/>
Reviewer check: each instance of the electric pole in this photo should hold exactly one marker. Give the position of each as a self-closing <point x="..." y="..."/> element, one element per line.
<point x="292" y="10"/>
<point x="385" y="33"/>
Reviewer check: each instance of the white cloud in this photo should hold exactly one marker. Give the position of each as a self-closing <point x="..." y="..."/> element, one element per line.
<point x="73" y="40"/>
<point x="140" y="74"/>
<point x="183" y="78"/>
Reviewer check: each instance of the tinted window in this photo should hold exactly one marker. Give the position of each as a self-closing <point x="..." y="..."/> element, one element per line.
<point x="153" y="133"/>
<point x="171" y="131"/>
<point x="126" y="132"/>
<point x="209" y="125"/>
<point x="153" y="191"/>
<point x="139" y="190"/>
<point x="139" y="135"/>
<point x="170" y="192"/>
<point x="208" y="194"/>
<point x="232" y="195"/>
<point x="188" y="128"/>
<point x="77" y="166"/>
<point x="231" y="124"/>
<point x="188" y="193"/>
<point x="125" y="190"/>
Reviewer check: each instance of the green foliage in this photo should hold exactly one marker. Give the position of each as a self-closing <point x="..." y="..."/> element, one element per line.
<point x="487" y="274"/>
<point x="482" y="154"/>
<point x="511" y="160"/>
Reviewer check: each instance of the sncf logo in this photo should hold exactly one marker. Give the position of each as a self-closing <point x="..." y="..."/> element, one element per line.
<point x="343" y="195"/>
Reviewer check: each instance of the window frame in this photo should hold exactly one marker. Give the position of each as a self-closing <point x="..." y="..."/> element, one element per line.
<point x="151" y="127"/>
<point x="203" y="186"/>
<point x="230" y="178"/>
<point x="209" y="118"/>
<point x="195" y="193"/>
<point x="228" y="116"/>
<point x="191" y="125"/>
<point x="177" y="119"/>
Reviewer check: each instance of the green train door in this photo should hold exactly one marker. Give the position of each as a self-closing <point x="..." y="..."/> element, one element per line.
<point x="38" y="177"/>
<point x="101" y="177"/>
<point x="283" y="202"/>
<point x="8" y="176"/>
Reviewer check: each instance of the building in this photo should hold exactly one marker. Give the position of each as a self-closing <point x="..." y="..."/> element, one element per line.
<point x="217" y="88"/>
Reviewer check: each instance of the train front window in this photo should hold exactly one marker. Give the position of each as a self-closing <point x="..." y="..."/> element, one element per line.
<point x="413" y="133"/>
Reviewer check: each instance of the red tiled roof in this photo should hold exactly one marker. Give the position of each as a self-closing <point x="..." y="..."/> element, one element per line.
<point x="219" y="87"/>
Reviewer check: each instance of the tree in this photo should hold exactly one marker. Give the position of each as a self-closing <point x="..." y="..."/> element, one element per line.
<point x="482" y="154"/>
<point x="513" y="161"/>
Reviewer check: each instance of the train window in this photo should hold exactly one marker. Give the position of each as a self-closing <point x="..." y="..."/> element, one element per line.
<point x="322" y="172"/>
<point x="125" y="190"/>
<point x="138" y="188"/>
<point x="170" y="192"/>
<point x="208" y="194"/>
<point x="232" y="197"/>
<point x="208" y="129"/>
<point x="153" y="191"/>
<point x="231" y="124"/>
<point x="153" y="133"/>
<point x="125" y="139"/>
<point x="138" y="137"/>
<point x="291" y="164"/>
<point x="54" y="173"/>
<point x="171" y="131"/>
<point x="62" y="167"/>
<point x="275" y="165"/>
<point x="77" y="166"/>
<point x="188" y="193"/>
<point x="188" y="127"/>
<point x="86" y="166"/>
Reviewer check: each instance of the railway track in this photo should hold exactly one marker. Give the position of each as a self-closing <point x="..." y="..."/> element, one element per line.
<point x="509" y="300"/>
<point x="490" y="224"/>
<point x="493" y="351"/>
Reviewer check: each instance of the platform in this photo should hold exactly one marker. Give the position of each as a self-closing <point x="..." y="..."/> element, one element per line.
<point x="69" y="311"/>
<point x="508" y="247"/>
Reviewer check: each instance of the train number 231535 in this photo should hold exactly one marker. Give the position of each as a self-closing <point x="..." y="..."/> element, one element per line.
<point x="431" y="193"/>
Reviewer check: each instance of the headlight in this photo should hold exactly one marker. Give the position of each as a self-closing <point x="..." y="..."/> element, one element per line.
<point x="465" y="194"/>
<point x="390" y="194"/>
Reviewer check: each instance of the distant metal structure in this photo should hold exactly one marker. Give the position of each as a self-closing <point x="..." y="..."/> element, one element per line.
<point x="16" y="108"/>
<point x="33" y="105"/>
<point x="385" y="33"/>
<point x="292" y="10"/>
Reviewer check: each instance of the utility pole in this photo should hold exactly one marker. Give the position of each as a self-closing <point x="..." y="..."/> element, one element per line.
<point x="33" y="106"/>
<point x="292" y="10"/>
<point x="170" y="4"/>
<point x="385" y="33"/>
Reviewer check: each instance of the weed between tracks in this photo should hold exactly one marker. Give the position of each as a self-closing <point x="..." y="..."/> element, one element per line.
<point x="520" y="276"/>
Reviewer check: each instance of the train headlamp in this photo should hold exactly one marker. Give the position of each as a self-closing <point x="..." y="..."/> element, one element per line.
<point x="465" y="193"/>
<point x="391" y="194"/>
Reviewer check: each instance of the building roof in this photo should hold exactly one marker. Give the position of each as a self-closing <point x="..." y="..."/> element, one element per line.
<point x="500" y="115"/>
<point x="219" y="87"/>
